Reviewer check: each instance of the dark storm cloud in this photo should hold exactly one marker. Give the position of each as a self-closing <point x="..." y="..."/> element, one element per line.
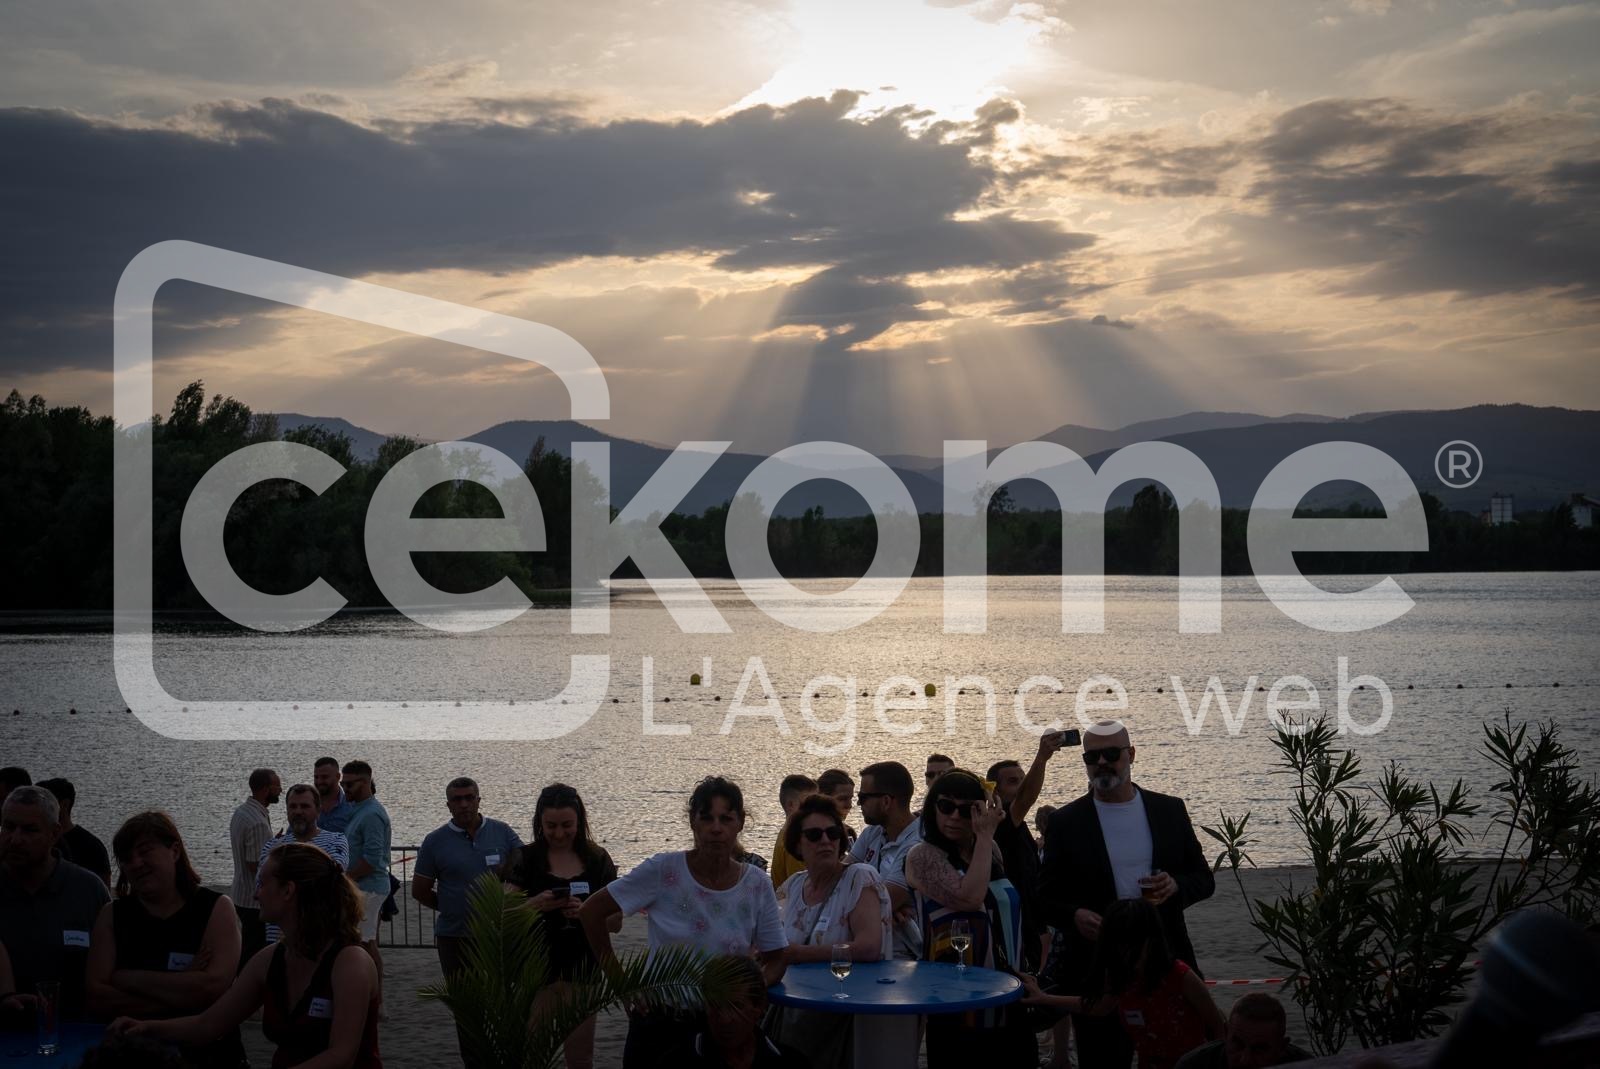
<point x="864" y="201"/>
<point x="1414" y="202"/>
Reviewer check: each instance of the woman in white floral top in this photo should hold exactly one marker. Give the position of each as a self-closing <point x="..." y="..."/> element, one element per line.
<point x="825" y="903"/>
<point x="701" y="898"/>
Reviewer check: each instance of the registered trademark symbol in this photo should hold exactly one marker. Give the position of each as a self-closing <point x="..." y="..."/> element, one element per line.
<point x="1458" y="464"/>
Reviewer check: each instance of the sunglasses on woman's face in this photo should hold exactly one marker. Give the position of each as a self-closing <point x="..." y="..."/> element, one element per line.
<point x="816" y="835"/>
<point x="950" y="809"/>
<point x="1112" y="755"/>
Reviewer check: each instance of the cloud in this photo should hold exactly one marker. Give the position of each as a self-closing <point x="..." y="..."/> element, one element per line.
<point x="864" y="202"/>
<point x="1402" y="200"/>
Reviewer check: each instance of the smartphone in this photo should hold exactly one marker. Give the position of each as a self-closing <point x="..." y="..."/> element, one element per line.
<point x="1070" y="737"/>
<point x="558" y="892"/>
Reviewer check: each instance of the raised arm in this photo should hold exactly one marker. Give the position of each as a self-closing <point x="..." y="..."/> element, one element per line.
<point x="1033" y="782"/>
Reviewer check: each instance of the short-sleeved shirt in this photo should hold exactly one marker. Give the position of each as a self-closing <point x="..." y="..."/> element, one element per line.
<point x="46" y="933"/>
<point x="84" y="849"/>
<point x="827" y="922"/>
<point x="249" y="829"/>
<point x="368" y="833"/>
<point x="784" y="864"/>
<point x="742" y="920"/>
<point x="336" y="818"/>
<point x="454" y="861"/>
<point x="888" y="856"/>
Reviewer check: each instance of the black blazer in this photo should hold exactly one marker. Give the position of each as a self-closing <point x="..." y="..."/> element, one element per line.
<point x="1076" y="873"/>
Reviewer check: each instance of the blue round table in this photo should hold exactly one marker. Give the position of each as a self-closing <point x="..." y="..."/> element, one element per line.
<point x="889" y="996"/>
<point x="19" y="1048"/>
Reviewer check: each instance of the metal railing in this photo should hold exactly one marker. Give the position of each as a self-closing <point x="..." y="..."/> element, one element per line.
<point x="412" y="926"/>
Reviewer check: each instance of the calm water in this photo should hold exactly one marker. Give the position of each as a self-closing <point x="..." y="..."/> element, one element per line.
<point x="1483" y="631"/>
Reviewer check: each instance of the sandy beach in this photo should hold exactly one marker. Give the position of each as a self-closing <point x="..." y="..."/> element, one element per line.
<point x="419" y="1034"/>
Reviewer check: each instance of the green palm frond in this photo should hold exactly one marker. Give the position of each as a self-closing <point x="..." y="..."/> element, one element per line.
<point x="507" y="965"/>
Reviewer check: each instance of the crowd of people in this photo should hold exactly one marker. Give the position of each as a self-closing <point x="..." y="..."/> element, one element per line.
<point x="1089" y="914"/>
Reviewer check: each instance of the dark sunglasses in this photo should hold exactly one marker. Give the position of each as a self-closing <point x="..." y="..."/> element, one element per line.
<point x="815" y="835"/>
<point x="863" y="797"/>
<point x="1112" y="755"/>
<point x="949" y="808"/>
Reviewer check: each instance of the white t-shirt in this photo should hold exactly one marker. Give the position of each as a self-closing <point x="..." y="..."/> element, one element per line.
<point x="1127" y="834"/>
<point x="742" y="920"/>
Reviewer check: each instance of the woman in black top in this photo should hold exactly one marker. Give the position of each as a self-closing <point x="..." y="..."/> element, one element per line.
<point x="557" y="871"/>
<point x="165" y="946"/>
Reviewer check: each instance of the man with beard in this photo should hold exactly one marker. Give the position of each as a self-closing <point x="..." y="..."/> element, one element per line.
<point x="1116" y="841"/>
<point x="336" y="809"/>
<point x="301" y="805"/>
<point x="248" y="831"/>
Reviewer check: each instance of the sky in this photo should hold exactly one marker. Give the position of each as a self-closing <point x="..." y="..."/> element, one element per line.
<point x="882" y="222"/>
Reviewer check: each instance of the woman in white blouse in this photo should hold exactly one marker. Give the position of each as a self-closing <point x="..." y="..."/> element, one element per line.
<point x="825" y="903"/>
<point x="700" y="898"/>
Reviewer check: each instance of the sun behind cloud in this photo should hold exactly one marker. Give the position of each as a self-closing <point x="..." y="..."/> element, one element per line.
<point x="947" y="60"/>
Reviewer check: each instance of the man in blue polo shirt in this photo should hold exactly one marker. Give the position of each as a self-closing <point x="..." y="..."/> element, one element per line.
<point x="451" y="859"/>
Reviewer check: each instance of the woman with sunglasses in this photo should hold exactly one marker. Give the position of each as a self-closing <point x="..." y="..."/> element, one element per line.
<point x="166" y="947"/>
<point x="958" y="879"/>
<point x="558" y="872"/>
<point x="826" y="903"/>
<point x="703" y="899"/>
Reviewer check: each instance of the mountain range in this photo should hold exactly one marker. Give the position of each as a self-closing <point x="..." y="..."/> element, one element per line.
<point x="1539" y="455"/>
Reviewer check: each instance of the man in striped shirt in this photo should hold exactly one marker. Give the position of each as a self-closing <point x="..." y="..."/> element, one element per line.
<point x="302" y="804"/>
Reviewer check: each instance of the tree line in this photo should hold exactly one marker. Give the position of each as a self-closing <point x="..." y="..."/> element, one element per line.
<point x="56" y="481"/>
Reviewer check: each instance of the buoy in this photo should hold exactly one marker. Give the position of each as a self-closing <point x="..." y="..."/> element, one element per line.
<point x="16" y="712"/>
<point x="963" y="690"/>
<point x="458" y="705"/>
<point x="1362" y="687"/>
<point x="929" y="689"/>
<point x="718" y="698"/>
<point x="1161" y="690"/>
<point x="350" y="705"/>
<point x="186" y="708"/>
<point x="72" y="712"/>
<point x="1410" y="687"/>
<point x="1508" y="686"/>
<point x="1555" y="684"/>
<point x="1458" y="686"/>
<point x="694" y="680"/>
<point x="614" y="701"/>
<point x="666" y="699"/>
<point x="296" y="707"/>
<point x="1110" y="691"/>
<point x="1258" y="689"/>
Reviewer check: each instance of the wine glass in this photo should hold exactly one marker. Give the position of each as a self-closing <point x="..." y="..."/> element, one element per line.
<point x="841" y="966"/>
<point x="961" y="939"/>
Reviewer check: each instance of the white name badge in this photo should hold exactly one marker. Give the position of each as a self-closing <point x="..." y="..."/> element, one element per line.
<point x="75" y="939"/>
<point x="321" y="1008"/>
<point x="178" y="962"/>
<point x="1134" y="1017"/>
<point x="578" y="887"/>
<point x="492" y="859"/>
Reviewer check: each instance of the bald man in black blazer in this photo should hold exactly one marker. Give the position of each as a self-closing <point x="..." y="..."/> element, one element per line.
<point x="1095" y="850"/>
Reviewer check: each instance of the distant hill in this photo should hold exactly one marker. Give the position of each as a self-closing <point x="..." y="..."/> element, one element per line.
<point x="1541" y="455"/>
<point x="364" y="443"/>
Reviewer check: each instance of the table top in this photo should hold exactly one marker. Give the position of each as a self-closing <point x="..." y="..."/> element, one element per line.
<point x="895" y="987"/>
<point x="18" y="1049"/>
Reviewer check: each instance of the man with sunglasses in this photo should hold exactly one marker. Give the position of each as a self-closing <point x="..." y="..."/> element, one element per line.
<point x="1116" y="841"/>
<point x="890" y="833"/>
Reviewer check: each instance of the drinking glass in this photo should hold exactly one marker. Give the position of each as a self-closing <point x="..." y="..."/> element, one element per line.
<point x="49" y="1016"/>
<point x="961" y="939"/>
<point x="841" y="966"/>
<point x="1147" y="884"/>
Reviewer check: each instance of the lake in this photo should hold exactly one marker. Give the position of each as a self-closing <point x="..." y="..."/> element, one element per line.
<point x="1447" y="663"/>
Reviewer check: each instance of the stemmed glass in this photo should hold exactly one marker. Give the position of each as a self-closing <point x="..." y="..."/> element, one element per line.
<point x="961" y="939"/>
<point x="841" y="966"/>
